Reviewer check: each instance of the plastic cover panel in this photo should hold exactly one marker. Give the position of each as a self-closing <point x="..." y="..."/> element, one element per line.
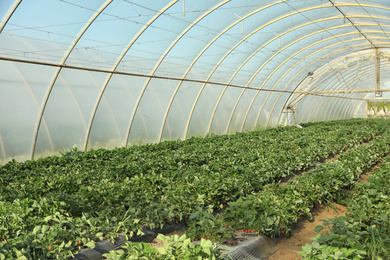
<point x="148" y="119"/>
<point x="109" y="73"/>
<point x="113" y="115"/>
<point x="176" y="123"/>
<point x="241" y="109"/>
<point x="69" y="110"/>
<point x="22" y="92"/>
<point x="202" y="113"/>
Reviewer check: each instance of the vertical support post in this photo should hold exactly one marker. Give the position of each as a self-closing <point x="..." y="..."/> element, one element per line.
<point x="184" y="7"/>
<point x="378" y="92"/>
<point x="290" y="114"/>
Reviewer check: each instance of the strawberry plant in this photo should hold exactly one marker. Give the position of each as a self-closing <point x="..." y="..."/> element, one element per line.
<point x="85" y="196"/>
<point x="174" y="248"/>
<point x="364" y="231"/>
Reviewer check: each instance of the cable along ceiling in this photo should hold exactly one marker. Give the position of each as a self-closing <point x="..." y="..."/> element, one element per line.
<point x="228" y="65"/>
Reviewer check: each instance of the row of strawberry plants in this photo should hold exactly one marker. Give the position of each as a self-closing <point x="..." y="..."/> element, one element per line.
<point x="343" y="174"/>
<point x="276" y="208"/>
<point x="356" y="241"/>
<point x="363" y="233"/>
<point x="53" y="206"/>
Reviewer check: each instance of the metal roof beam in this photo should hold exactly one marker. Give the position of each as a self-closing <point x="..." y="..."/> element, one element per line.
<point x="341" y="91"/>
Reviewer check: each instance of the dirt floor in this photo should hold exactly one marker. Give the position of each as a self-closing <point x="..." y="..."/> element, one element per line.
<point x="303" y="231"/>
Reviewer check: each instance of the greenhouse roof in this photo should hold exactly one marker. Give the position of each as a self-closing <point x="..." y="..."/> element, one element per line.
<point x="109" y="73"/>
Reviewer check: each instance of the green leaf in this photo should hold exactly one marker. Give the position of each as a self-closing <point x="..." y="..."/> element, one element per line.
<point x="44" y="229"/>
<point x="182" y="238"/>
<point x="372" y="192"/>
<point x="90" y="244"/>
<point x="187" y="242"/>
<point x="36" y="230"/>
<point x="150" y="250"/>
<point x="318" y="228"/>
<point x="307" y="249"/>
<point x="162" y="250"/>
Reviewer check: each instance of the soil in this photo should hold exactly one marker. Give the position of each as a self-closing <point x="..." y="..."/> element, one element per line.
<point x="303" y="231"/>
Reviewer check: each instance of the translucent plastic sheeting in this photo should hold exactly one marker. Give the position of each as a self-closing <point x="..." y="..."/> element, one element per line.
<point x="109" y="73"/>
<point x="22" y="92"/>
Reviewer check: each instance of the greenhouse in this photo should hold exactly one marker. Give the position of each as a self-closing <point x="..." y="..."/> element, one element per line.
<point x="122" y="118"/>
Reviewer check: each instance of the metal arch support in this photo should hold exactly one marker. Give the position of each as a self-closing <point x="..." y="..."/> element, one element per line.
<point x="279" y="51"/>
<point x="249" y="35"/>
<point x="326" y="96"/>
<point x="9" y="15"/>
<point x="114" y="69"/>
<point x="309" y="56"/>
<point x="320" y="106"/>
<point x="335" y="86"/>
<point x="303" y="95"/>
<point x="35" y="101"/>
<point x="320" y="71"/>
<point x="346" y="109"/>
<point x="185" y="74"/>
<point x="59" y="70"/>
<point x="302" y="115"/>
<point x="358" y="105"/>
<point x="331" y="109"/>
<point x="328" y="76"/>
<point x="157" y="66"/>
<point x="254" y="53"/>
<point x="342" y="90"/>
<point x="269" y="76"/>
<point x="337" y="102"/>
<point x="296" y="87"/>
<point x="294" y="54"/>
<point x="280" y="65"/>
<point x="234" y="48"/>
<point x="319" y="75"/>
<point x="234" y="110"/>
<point x="323" y="70"/>
<point x="203" y="51"/>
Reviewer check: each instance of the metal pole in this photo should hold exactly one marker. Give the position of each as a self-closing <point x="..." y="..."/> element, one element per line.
<point x="378" y="92"/>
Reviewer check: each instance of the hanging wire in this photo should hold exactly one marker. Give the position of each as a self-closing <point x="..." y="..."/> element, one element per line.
<point x="323" y="28"/>
<point x="357" y="28"/>
<point x="39" y="28"/>
<point x="373" y="19"/>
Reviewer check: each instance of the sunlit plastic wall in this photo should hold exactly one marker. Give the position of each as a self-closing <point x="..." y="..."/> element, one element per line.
<point x="113" y="73"/>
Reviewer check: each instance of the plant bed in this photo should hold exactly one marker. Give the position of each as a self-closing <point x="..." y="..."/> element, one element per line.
<point x="51" y="204"/>
<point x="364" y="231"/>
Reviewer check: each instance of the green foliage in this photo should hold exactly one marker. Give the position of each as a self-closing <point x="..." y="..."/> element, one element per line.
<point x="364" y="232"/>
<point x="378" y="109"/>
<point x="204" y="224"/>
<point x="275" y="208"/>
<point x="51" y="207"/>
<point x="317" y="251"/>
<point x="175" y="247"/>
